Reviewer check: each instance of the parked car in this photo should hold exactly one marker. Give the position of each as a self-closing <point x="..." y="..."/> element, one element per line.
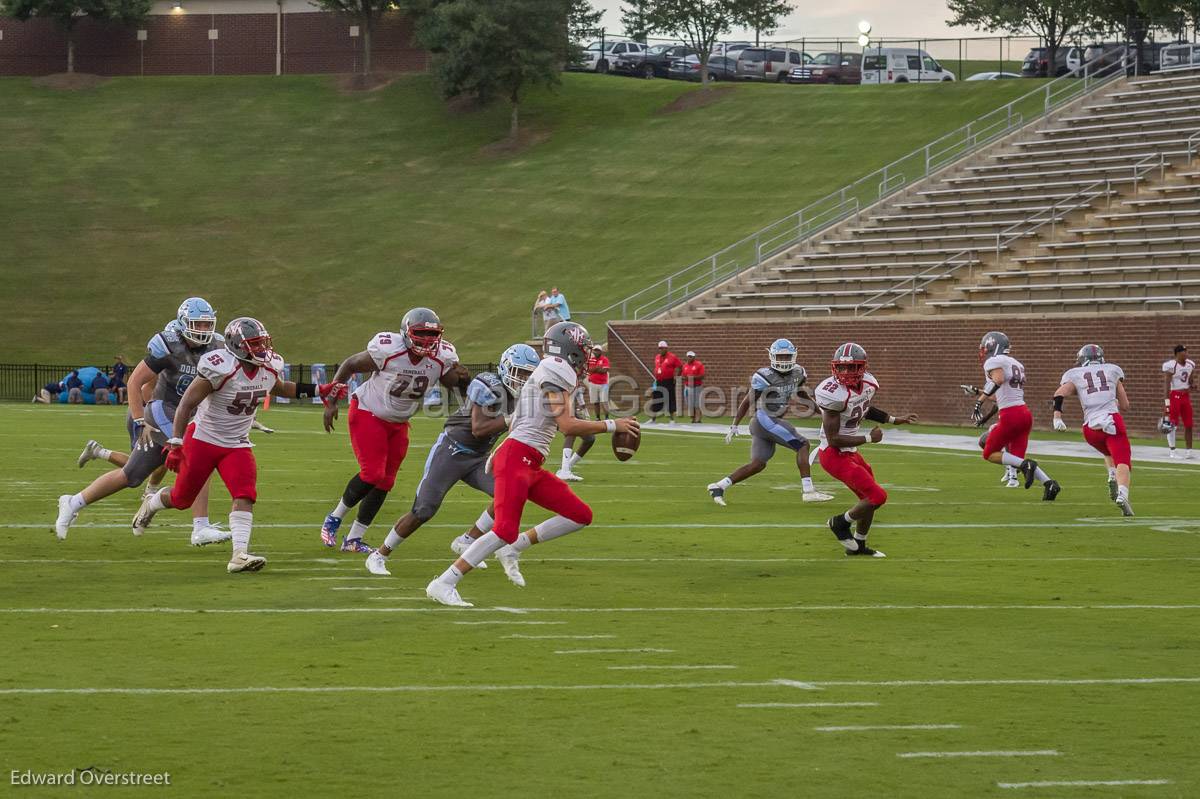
<point x="902" y="65"/>
<point x="1037" y="62"/>
<point x="730" y="49"/>
<point x="653" y="62"/>
<point x="993" y="76"/>
<point x="1103" y="54"/>
<point x="600" y="55"/>
<point x="830" y="67"/>
<point x="719" y="68"/>
<point x="1179" y="54"/>
<point x="763" y="63"/>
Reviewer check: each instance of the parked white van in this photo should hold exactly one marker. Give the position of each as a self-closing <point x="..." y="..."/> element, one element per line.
<point x="902" y="65"/>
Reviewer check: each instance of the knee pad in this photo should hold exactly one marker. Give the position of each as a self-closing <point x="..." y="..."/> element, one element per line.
<point x="584" y="517"/>
<point x="877" y="496"/>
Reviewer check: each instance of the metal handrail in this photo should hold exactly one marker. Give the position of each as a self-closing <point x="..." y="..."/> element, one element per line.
<point x="1193" y="144"/>
<point x="1177" y="57"/>
<point x="819" y="215"/>
<point x="1004" y="238"/>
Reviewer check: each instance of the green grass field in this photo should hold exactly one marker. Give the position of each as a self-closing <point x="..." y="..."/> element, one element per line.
<point x="328" y="214"/>
<point x="997" y="624"/>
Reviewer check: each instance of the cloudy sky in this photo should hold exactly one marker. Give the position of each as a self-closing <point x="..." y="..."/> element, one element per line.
<point x="813" y="19"/>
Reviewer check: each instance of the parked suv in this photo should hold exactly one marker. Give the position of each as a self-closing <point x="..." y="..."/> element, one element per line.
<point x="829" y="67"/>
<point x="762" y="63"/>
<point x="719" y="68"/>
<point x="902" y="65"/>
<point x="1103" y="54"/>
<point x="599" y="56"/>
<point x="653" y="62"/>
<point x="1037" y="63"/>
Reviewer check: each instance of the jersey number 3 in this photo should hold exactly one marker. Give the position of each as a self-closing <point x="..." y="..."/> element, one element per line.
<point x="244" y="402"/>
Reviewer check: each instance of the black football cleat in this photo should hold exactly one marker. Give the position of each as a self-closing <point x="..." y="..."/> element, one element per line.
<point x="1028" y="469"/>
<point x="865" y="551"/>
<point x="1052" y="488"/>
<point x="840" y="527"/>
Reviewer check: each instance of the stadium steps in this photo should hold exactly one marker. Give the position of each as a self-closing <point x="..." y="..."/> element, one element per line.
<point x="1135" y="246"/>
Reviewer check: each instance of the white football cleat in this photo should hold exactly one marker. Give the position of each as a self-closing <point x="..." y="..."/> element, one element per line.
<point x="1012" y="482"/>
<point x="510" y="560"/>
<point x="89" y="453"/>
<point x="150" y="489"/>
<point x="460" y="544"/>
<point x="717" y="493"/>
<point x="816" y="496"/>
<point x="1187" y="455"/>
<point x="144" y="516"/>
<point x="446" y="594"/>
<point x="568" y="475"/>
<point x="245" y="562"/>
<point x="1171" y="454"/>
<point x="212" y="534"/>
<point x="1123" y="504"/>
<point x="377" y="564"/>
<point x="66" y="517"/>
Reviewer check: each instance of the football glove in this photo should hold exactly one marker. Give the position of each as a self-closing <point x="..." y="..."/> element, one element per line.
<point x="1059" y="424"/>
<point x="332" y="392"/>
<point x="977" y="413"/>
<point x="970" y="391"/>
<point x="732" y="434"/>
<point x="174" y="453"/>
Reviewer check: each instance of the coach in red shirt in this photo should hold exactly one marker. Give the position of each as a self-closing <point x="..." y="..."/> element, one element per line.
<point x="693" y="381"/>
<point x="666" y="367"/>
<point x="597" y="381"/>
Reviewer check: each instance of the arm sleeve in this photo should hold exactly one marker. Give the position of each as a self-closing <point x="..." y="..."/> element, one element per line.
<point x="480" y="394"/>
<point x="878" y="415"/>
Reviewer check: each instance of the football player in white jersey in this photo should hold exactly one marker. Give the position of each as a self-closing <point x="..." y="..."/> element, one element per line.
<point x="1179" y="376"/>
<point x="1008" y="441"/>
<point x="543" y="408"/>
<point x="845" y="399"/>
<point x="1100" y="387"/>
<point x="229" y="385"/>
<point x="402" y="367"/>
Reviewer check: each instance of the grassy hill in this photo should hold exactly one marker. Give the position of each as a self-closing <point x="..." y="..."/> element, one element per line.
<point x="328" y="214"/>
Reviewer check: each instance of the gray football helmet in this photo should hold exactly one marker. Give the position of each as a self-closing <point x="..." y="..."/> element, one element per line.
<point x="992" y="344"/>
<point x="421" y="330"/>
<point x="1089" y="354"/>
<point x="849" y="364"/>
<point x="569" y="341"/>
<point x="248" y="340"/>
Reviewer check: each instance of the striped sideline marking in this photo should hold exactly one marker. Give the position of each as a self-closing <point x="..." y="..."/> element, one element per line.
<point x="986" y="753"/>
<point x="484" y="622"/>
<point x="766" y="609"/>
<point x="606" y="651"/>
<point x="868" y="728"/>
<point x="809" y="704"/>
<point x="1079" y="783"/>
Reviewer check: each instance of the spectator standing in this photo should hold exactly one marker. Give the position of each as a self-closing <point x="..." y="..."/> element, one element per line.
<point x="693" y="382"/>
<point x="559" y="303"/>
<point x="117" y="376"/>
<point x="597" y="382"/>
<point x="548" y="310"/>
<point x="101" y="384"/>
<point x="666" y="367"/>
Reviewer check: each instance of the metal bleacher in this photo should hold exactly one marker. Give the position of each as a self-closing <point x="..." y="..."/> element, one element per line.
<point x="1095" y="207"/>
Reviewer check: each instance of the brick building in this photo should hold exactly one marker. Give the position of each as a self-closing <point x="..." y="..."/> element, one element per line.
<point x="212" y="37"/>
<point x="921" y="362"/>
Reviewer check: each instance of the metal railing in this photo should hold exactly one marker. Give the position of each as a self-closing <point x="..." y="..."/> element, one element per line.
<point x="783" y="234"/>
<point x="1193" y="146"/>
<point x="1083" y="198"/>
<point x="1179" y="56"/>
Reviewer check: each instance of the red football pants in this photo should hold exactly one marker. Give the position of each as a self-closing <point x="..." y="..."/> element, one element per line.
<point x="1115" y="446"/>
<point x="379" y="446"/>
<point x="236" y="466"/>
<point x="853" y="470"/>
<point x="1180" y="408"/>
<point x="1011" y="432"/>
<point x="521" y="478"/>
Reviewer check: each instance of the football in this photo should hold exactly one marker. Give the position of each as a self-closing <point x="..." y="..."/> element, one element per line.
<point x="625" y="445"/>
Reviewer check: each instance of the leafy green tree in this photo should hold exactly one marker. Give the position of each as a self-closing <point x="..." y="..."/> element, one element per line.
<point x="1054" y="21"/>
<point x="634" y="21"/>
<point x="364" y="12"/>
<point x="494" y="48"/>
<point x="701" y="23"/>
<point x="68" y="12"/>
<point x="1134" y="20"/>
<point x="583" y="22"/>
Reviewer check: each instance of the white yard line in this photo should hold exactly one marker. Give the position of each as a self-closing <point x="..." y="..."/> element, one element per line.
<point x="870" y="728"/>
<point x="985" y="753"/>
<point x="656" y="667"/>
<point x="486" y="622"/>
<point x="372" y="588"/>
<point x="1079" y="783"/>
<point x="608" y="651"/>
<point x="836" y="561"/>
<point x="1032" y="681"/>
<point x="385" y="689"/>
<point x="768" y="609"/>
<point x="807" y="704"/>
<point x="558" y="637"/>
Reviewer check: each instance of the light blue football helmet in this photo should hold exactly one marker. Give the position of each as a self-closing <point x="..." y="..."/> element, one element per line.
<point x="192" y="315"/>
<point x="516" y="365"/>
<point x="783" y="355"/>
